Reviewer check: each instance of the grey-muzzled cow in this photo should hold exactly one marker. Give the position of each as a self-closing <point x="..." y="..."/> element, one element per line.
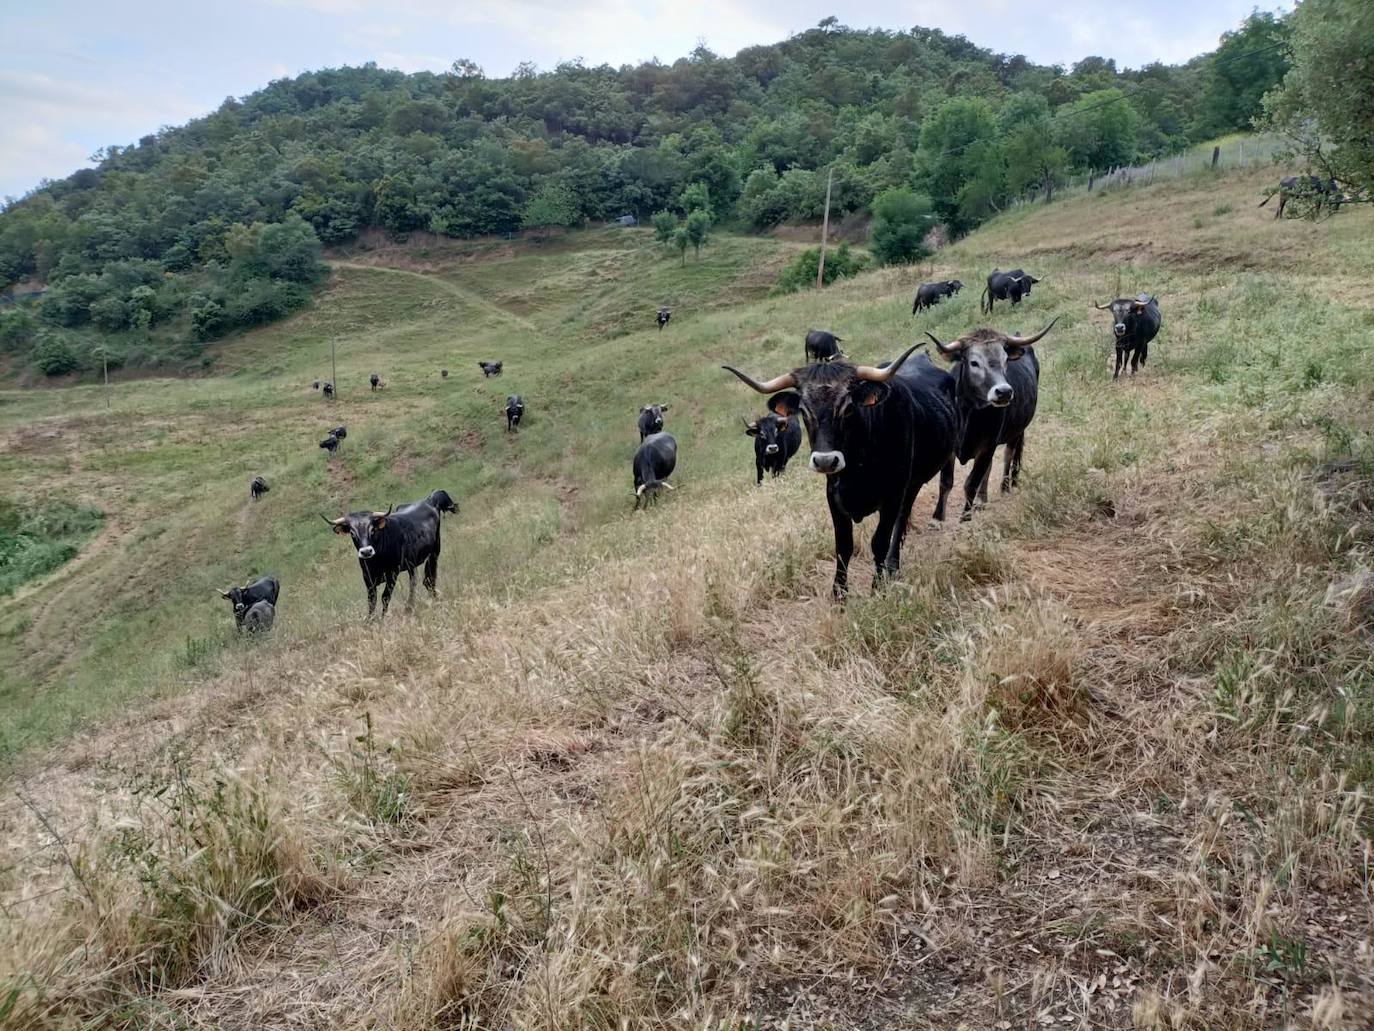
<point x="928" y="295"/>
<point x="1006" y="286"/>
<point x="997" y="384"/>
<point x="821" y="346"/>
<point x="515" y="411"/>
<point x="390" y="543"/>
<point x="259" y="617"/>
<point x="651" y="420"/>
<point x="664" y="314"/>
<point x="654" y="462"/>
<point x="490" y="369"/>
<point x="258" y="488"/>
<point x="776" y="439"/>
<point x="877" y="435"/>
<point x="1135" y="322"/>
<point x="264" y="588"/>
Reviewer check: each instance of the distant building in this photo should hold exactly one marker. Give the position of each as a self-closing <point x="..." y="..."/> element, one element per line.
<point x="627" y="220"/>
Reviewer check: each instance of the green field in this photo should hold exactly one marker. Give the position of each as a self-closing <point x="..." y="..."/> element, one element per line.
<point x="1101" y="757"/>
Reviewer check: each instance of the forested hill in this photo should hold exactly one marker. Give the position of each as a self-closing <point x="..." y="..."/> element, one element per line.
<point x="214" y="225"/>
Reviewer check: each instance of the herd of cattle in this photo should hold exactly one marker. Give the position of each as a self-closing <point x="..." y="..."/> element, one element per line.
<point x="877" y="433"/>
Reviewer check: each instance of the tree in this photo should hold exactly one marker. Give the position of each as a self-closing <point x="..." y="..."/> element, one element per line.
<point x="901" y="220"/>
<point x="681" y="241"/>
<point x="698" y="228"/>
<point x="1098" y="130"/>
<point x="1250" y="62"/>
<point x="957" y="145"/>
<point x="1030" y="157"/>
<point x="664" y="223"/>
<point x="551" y="205"/>
<point x="695" y="197"/>
<point x="1323" y="107"/>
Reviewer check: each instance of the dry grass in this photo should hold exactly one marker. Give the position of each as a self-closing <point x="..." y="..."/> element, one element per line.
<point x="1099" y="759"/>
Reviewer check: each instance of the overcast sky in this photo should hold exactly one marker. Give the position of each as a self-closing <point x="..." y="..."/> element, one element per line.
<point x="76" y="75"/>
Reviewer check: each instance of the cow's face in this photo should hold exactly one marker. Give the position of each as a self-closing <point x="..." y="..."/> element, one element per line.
<point x="830" y="399"/>
<point x="653" y="417"/>
<point x="980" y="363"/>
<point x="955" y="286"/>
<point x="363" y="528"/>
<point x="1124" y="310"/>
<point x="769" y="430"/>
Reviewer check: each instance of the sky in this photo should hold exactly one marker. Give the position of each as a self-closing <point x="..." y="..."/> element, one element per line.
<point x="77" y="75"/>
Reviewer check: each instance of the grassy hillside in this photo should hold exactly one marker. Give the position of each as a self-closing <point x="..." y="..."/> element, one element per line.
<point x="1100" y="758"/>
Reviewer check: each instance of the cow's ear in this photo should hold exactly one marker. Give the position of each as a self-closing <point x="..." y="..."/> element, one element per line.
<point x="784" y="404"/>
<point x="341" y="528"/>
<point x="1014" y="353"/>
<point x="867" y="394"/>
<point x="751" y="429"/>
<point x="379" y="522"/>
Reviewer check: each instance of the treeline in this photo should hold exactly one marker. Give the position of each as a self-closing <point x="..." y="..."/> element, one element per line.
<point x="177" y="239"/>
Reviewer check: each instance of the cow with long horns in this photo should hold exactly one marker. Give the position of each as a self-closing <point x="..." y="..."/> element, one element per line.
<point x="391" y="542"/>
<point x="1006" y="286"/>
<point x="877" y="435"/>
<point x="997" y="383"/>
<point x="1135" y="322"/>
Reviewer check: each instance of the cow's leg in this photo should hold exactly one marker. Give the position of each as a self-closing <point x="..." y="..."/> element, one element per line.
<point x="758" y="468"/>
<point x="386" y="591"/>
<point x="1144" y="353"/>
<point x="844" y="544"/>
<point x="882" y="542"/>
<point x="432" y="573"/>
<point x="1120" y="360"/>
<point x="982" y="464"/>
<point x="1010" y="463"/>
<point x="410" y="599"/>
<point x="946" y="485"/>
<point x="1016" y="461"/>
<point x="983" y="487"/>
<point x="1135" y="359"/>
<point x="902" y="516"/>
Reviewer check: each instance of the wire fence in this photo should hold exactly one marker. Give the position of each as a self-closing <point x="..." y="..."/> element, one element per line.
<point x="1228" y="156"/>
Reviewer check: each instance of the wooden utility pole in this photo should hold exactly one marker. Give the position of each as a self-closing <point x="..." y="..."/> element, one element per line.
<point x="825" y="229"/>
<point x="334" y="370"/>
<point x="105" y="367"/>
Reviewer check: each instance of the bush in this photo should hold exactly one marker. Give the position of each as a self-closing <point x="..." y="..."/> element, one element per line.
<point x="800" y="273"/>
<point x="901" y="220"/>
<point x="665" y="224"/>
<point x="110" y="314"/>
<point x="261" y="301"/>
<point x="55" y="357"/>
<point x="18" y="330"/>
<point x="207" y="320"/>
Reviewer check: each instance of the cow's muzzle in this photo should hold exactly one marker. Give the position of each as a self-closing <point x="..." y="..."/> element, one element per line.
<point x="1120" y="329"/>
<point x="366" y="551"/>
<point x="771" y="449"/>
<point x="1000" y="396"/>
<point x="827" y="462"/>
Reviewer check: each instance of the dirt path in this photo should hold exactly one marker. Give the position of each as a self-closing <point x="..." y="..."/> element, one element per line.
<point x="466" y="296"/>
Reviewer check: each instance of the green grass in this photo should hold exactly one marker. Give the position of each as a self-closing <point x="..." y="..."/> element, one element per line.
<point x="37" y="539"/>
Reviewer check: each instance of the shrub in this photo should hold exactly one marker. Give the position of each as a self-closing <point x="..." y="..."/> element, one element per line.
<point x="55" y="357"/>
<point x="901" y="220"/>
<point x="800" y="273"/>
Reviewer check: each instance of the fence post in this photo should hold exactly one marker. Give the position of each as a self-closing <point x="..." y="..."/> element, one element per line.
<point x="1242" y="151"/>
<point x="1090" y="180"/>
<point x="1216" y="155"/>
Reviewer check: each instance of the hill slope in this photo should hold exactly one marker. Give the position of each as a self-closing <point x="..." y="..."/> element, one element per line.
<point x="1099" y="759"/>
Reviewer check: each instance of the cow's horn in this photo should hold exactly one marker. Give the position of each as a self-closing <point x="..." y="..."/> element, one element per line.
<point x="747" y="424"/>
<point x="947" y="350"/>
<point x="334" y="522"/>
<point x="639" y="491"/>
<point x="883" y="375"/>
<point x="224" y="594"/>
<point x="1102" y="307"/>
<point x="1016" y="341"/>
<point x="665" y="483"/>
<point x="783" y="382"/>
<point x="383" y="515"/>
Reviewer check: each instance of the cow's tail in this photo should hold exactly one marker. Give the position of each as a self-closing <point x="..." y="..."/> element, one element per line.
<point x="1266" y="200"/>
<point x="983" y="301"/>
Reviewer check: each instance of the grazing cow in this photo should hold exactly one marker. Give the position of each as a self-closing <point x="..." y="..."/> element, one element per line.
<point x="265" y="588"/>
<point x="997" y="384"/>
<point x="329" y="391"/>
<point x="654" y="462"/>
<point x="821" y="346"/>
<point x="330" y="443"/>
<point x="776" y="439"/>
<point x="877" y="435"/>
<point x="390" y="543"/>
<point x="259" y="618"/>
<point x="651" y="420"/>
<point x="1006" y="286"/>
<point x="443" y="373"/>
<point x="339" y="431"/>
<point x="515" y="411"/>
<point x="375" y="380"/>
<point x="1321" y="192"/>
<point x="1135" y="322"/>
<point x="490" y="369"/>
<point x="316" y="384"/>
<point x="928" y="295"/>
<point x="438" y="500"/>
<point x="664" y="314"/>
<point x="258" y="488"/>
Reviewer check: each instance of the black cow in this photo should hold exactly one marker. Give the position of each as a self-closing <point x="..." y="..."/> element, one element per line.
<point x="443" y="373"/>
<point x="316" y="384"/>
<point x="330" y="443"/>
<point x="375" y="380"/>
<point x="438" y="500"/>
<point x="339" y="431"/>
<point x="515" y="411"/>
<point x="259" y="617"/>
<point x="258" y="488"/>
<point x="877" y="435"/>
<point x="997" y="383"/>
<point x="1006" y="286"/>
<point x="651" y="420"/>
<point x="664" y="314"/>
<point x="490" y="369"/>
<point x="390" y="543"/>
<point x="928" y="295"/>
<point x="1135" y="322"/>
<point x="776" y="439"/>
<point x="654" y="462"/>
<point x="1321" y="193"/>
<point x="329" y="391"/>
<point x="265" y="588"/>
<point x="821" y="346"/>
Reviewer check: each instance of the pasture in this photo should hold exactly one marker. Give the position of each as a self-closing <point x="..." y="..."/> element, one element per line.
<point x="1099" y="759"/>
